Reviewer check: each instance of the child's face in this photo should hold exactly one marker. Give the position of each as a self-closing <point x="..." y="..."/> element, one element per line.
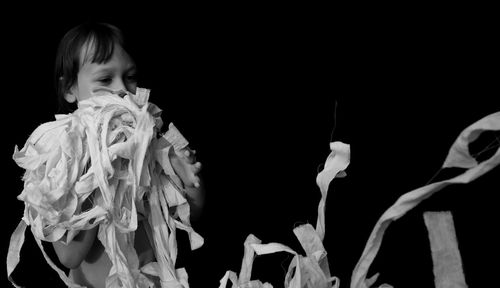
<point x="116" y="74"/>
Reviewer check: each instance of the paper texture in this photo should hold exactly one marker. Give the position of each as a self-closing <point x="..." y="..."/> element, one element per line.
<point x="108" y="149"/>
<point x="458" y="156"/>
<point x="446" y="258"/>
<point x="311" y="270"/>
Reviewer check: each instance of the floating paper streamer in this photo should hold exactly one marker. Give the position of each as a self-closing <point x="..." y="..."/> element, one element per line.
<point x="243" y="281"/>
<point x="458" y="156"/>
<point x="446" y="258"/>
<point x="335" y="166"/>
<point x="304" y="271"/>
<point x="312" y="270"/>
<point x="107" y="148"/>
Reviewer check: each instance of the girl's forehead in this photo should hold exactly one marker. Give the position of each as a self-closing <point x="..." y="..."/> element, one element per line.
<point x="88" y="55"/>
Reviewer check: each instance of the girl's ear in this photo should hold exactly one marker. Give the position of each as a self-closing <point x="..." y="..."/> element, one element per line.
<point x="70" y="95"/>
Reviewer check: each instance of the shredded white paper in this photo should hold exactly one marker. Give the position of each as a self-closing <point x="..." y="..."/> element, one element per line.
<point x="311" y="270"/>
<point x="448" y="271"/>
<point x="109" y="146"/>
<point x="459" y="157"/>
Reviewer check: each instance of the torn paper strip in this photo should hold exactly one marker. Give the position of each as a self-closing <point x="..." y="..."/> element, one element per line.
<point x="244" y="279"/>
<point x="311" y="270"/>
<point x="458" y="156"/>
<point x="446" y="258"/>
<point x="335" y="166"/>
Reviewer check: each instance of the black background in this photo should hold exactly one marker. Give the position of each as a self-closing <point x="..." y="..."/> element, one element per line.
<point x="260" y="93"/>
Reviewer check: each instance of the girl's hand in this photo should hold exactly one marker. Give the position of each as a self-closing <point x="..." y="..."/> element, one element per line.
<point x="185" y="166"/>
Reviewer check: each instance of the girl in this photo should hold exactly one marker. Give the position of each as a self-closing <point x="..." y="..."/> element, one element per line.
<point x="92" y="57"/>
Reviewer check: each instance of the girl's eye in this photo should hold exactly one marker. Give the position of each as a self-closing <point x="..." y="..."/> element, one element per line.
<point x="105" y="80"/>
<point x="131" y="78"/>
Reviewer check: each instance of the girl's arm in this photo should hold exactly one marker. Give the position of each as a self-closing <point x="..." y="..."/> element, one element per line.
<point x="72" y="255"/>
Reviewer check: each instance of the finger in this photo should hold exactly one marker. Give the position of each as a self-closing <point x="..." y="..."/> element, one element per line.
<point x="188" y="151"/>
<point x="186" y="155"/>
<point x="196" y="181"/>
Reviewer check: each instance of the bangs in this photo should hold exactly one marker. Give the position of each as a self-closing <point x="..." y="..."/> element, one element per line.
<point x="98" y="48"/>
<point x="90" y="42"/>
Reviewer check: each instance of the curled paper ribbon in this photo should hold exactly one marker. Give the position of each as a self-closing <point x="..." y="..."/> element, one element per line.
<point x="108" y="149"/>
<point x="458" y="156"/>
<point x="311" y="270"/>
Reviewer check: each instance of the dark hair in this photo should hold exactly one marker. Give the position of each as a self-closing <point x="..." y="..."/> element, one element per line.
<point x="103" y="38"/>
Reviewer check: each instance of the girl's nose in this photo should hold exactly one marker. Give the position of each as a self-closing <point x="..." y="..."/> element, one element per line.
<point x="119" y="85"/>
